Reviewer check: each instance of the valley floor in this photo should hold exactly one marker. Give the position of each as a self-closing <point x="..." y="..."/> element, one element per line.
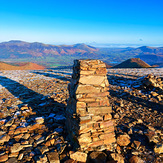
<point x="32" y="115"/>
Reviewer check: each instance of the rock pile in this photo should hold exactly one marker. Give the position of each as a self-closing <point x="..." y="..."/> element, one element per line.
<point x="149" y="81"/>
<point x="32" y="118"/>
<point x="89" y="119"/>
<point x="151" y="84"/>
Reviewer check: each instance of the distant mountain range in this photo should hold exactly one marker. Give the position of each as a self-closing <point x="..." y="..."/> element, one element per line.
<point x="53" y="55"/>
<point x="19" y="49"/>
<point x="151" y="55"/>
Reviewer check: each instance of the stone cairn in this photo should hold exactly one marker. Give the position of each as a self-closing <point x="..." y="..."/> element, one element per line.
<point x="89" y="121"/>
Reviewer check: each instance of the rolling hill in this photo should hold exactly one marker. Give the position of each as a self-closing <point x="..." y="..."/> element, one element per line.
<point x="23" y="66"/>
<point x="133" y="63"/>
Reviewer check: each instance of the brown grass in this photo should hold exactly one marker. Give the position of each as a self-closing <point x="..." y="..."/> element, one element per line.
<point x="27" y="66"/>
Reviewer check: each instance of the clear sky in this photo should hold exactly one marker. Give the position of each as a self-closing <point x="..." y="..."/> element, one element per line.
<point x="77" y="21"/>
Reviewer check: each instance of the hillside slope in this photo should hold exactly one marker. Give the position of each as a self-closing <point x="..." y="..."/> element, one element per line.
<point x="27" y="66"/>
<point x="133" y="63"/>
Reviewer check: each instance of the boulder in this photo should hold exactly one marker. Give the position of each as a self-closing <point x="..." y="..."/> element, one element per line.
<point x="79" y="156"/>
<point x="123" y="140"/>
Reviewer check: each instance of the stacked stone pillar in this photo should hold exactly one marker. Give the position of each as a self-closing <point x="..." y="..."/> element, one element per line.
<point x="89" y="121"/>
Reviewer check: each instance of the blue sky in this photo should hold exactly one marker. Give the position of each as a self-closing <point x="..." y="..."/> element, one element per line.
<point x="76" y="21"/>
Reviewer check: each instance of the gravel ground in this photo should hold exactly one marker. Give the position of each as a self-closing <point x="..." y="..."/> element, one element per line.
<point x="32" y="115"/>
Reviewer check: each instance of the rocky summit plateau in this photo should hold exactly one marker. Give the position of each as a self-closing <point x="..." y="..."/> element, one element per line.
<point x="33" y="115"/>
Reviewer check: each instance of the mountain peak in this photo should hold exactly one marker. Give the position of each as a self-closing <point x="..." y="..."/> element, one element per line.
<point x="15" y="41"/>
<point x="146" y="48"/>
<point x="85" y="47"/>
<point x="133" y="63"/>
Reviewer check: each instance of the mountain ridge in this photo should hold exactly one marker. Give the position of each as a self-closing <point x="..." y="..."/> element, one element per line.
<point x="47" y="54"/>
<point x="39" y="49"/>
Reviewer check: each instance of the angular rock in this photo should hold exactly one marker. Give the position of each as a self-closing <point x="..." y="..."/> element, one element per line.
<point x="135" y="159"/>
<point x="20" y="157"/>
<point x="20" y="130"/>
<point x="70" y="161"/>
<point x="87" y="89"/>
<point x="123" y="140"/>
<point x="158" y="148"/>
<point x="16" y="148"/>
<point x="42" y="159"/>
<point x="4" y="158"/>
<point x="4" y="138"/>
<point x="79" y="156"/>
<point x="92" y="80"/>
<point x="117" y="157"/>
<point x="53" y="157"/>
<point x="39" y="120"/>
<point x="12" y="160"/>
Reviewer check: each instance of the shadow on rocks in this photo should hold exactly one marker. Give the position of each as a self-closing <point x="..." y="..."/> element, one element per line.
<point x="39" y="120"/>
<point x="53" y="75"/>
<point x="134" y="99"/>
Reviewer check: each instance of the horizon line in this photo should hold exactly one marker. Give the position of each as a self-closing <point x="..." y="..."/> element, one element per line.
<point x="96" y="44"/>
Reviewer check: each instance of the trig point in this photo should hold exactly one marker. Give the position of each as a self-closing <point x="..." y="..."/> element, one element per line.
<point x="89" y="121"/>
